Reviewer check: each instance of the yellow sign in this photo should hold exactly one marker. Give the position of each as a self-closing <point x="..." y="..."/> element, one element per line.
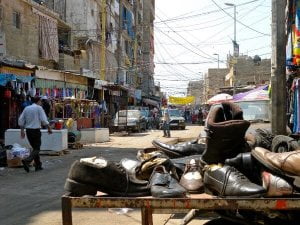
<point x="181" y="100"/>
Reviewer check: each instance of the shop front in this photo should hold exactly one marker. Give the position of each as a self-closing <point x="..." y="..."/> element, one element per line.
<point x="14" y="89"/>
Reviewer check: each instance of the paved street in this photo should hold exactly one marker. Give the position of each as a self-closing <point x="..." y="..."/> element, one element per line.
<point x="34" y="198"/>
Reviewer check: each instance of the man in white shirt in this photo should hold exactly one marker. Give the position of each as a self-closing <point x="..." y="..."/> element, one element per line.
<point x="31" y="119"/>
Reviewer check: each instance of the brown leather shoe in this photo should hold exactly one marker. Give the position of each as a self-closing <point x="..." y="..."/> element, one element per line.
<point x="191" y="179"/>
<point x="286" y="163"/>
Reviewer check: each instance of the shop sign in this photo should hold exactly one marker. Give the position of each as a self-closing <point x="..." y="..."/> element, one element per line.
<point x="2" y="45"/>
<point x="181" y="100"/>
<point x="15" y="71"/>
<point x="100" y="83"/>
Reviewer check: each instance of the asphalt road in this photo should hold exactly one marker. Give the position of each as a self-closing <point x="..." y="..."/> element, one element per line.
<point x="34" y="198"/>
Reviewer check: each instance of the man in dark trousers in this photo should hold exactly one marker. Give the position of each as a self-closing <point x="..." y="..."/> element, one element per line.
<point x="31" y="119"/>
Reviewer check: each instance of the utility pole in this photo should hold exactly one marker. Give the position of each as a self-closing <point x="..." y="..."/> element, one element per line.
<point x="103" y="51"/>
<point x="119" y="46"/>
<point x="103" y="43"/>
<point x="278" y="71"/>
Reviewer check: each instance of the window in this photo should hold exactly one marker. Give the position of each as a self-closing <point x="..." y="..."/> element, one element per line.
<point x="1" y="13"/>
<point x="17" y="20"/>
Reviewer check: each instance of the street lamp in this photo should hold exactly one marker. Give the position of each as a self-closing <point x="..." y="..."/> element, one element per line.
<point x="218" y="59"/>
<point x="234" y="13"/>
<point x="234" y="46"/>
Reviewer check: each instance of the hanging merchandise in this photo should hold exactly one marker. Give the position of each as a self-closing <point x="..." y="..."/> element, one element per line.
<point x="7" y="93"/>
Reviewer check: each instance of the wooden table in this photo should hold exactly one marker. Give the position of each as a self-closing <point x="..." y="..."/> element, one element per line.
<point x="150" y="205"/>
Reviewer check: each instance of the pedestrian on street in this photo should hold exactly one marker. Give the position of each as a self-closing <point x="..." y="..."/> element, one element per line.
<point x="166" y="124"/>
<point x="31" y="119"/>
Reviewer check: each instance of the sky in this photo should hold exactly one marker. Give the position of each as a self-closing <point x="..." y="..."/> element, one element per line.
<point x="188" y="34"/>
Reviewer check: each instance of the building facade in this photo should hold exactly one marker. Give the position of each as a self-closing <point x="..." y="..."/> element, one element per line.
<point x="196" y="89"/>
<point x="148" y="48"/>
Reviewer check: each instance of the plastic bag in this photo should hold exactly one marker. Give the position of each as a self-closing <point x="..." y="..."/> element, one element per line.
<point x="17" y="151"/>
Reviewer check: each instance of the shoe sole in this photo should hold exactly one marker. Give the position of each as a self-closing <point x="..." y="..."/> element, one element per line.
<point x="168" y="152"/>
<point x="209" y="192"/>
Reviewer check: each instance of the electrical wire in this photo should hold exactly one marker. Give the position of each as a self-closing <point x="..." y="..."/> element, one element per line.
<point x="238" y="20"/>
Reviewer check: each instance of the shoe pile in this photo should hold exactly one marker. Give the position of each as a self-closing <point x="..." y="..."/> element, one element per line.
<point x="229" y="164"/>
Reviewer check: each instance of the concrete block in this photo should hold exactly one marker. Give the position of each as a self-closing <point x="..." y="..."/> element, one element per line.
<point x="94" y="135"/>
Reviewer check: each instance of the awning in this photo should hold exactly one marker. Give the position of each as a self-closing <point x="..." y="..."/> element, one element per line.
<point x="150" y="102"/>
<point x="5" y="78"/>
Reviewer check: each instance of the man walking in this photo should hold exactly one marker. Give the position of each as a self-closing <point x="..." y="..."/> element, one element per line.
<point x="31" y="119"/>
<point x="166" y="123"/>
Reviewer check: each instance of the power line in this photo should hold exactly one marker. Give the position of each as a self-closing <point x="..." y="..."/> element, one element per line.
<point x="238" y="20"/>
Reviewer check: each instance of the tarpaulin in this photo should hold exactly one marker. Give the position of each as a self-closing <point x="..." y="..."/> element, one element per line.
<point x="5" y="78"/>
<point x="181" y="100"/>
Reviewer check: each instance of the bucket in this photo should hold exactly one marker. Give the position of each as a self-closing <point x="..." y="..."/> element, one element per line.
<point x="58" y="126"/>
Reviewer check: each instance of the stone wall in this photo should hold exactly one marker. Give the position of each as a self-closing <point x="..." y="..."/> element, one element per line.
<point x="248" y="72"/>
<point x="215" y="80"/>
<point x="195" y="88"/>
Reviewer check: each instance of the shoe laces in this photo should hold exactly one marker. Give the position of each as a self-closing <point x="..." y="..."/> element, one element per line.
<point x="238" y="174"/>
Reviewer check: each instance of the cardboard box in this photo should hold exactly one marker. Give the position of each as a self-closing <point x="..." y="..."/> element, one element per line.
<point x="15" y="162"/>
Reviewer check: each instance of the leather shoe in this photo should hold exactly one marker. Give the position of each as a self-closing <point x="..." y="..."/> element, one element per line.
<point x="180" y="150"/>
<point x="227" y="181"/>
<point x="163" y="185"/>
<point x="191" y="179"/>
<point x="25" y="166"/>
<point x="145" y="169"/>
<point x="285" y="163"/>
<point x="275" y="186"/>
<point x="90" y="175"/>
<point x="247" y="165"/>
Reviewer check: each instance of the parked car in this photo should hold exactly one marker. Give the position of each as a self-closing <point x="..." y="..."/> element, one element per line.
<point x="177" y="121"/>
<point x="131" y="119"/>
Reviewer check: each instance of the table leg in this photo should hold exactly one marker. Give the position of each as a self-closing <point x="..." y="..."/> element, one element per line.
<point x="66" y="208"/>
<point x="147" y="218"/>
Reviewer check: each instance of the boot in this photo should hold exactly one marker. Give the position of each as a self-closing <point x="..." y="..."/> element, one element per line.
<point x="225" y="128"/>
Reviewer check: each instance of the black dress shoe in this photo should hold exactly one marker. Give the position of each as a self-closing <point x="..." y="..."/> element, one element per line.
<point x="226" y="181"/>
<point x="25" y="166"/>
<point x="247" y="165"/>
<point x="90" y="175"/>
<point x="179" y="150"/>
<point x="163" y="185"/>
<point x="38" y="168"/>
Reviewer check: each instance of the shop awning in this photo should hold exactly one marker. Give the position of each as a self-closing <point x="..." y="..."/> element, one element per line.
<point x="5" y="78"/>
<point x="150" y="102"/>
